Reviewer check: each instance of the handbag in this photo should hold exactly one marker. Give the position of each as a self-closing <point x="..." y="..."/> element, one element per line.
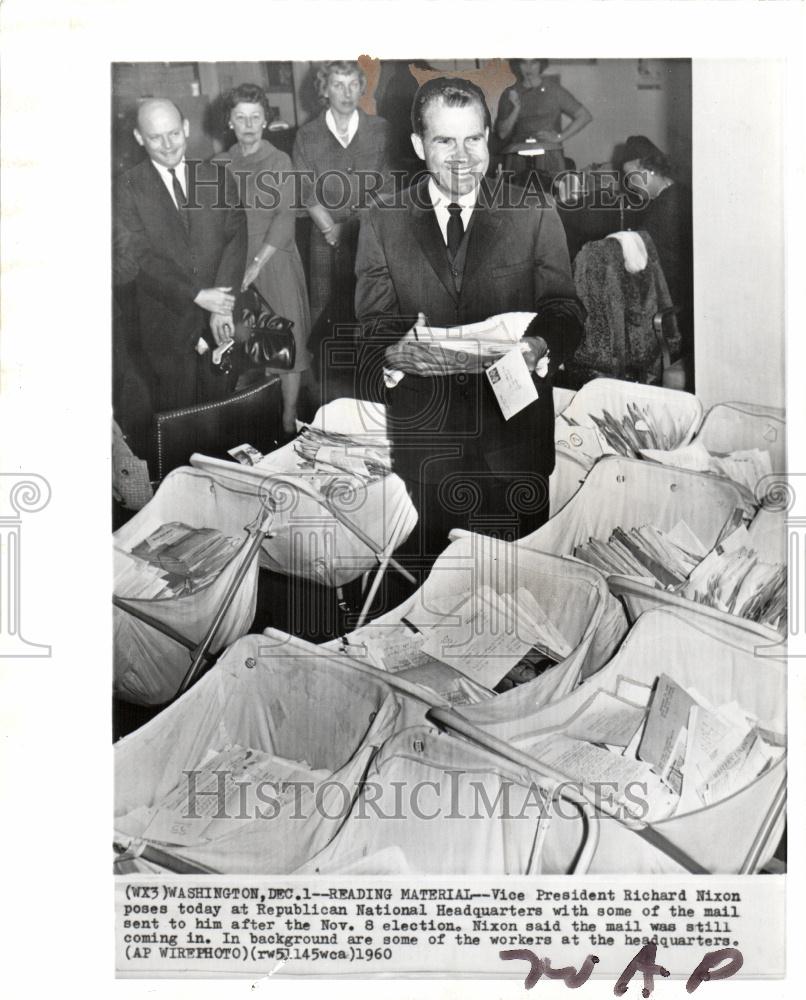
<point x="262" y="339"/>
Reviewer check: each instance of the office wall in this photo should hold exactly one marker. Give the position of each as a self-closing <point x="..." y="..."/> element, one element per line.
<point x="738" y="231"/>
<point x="609" y="88"/>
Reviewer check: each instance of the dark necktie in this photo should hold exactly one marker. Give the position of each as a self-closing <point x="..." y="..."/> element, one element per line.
<point x="456" y="229"/>
<point x="179" y="195"/>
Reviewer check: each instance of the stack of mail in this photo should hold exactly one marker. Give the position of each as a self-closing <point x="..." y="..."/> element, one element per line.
<point x="663" y="558"/>
<point x="366" y="456"/>
<point x="659" y="751"/>
<point x="483" y="635"/>
<point x="638" y="429"/>
<point x="173" y="561"/>
<point x="730" y="577"/>
<point x="747" y="468"/>
<point x="234" y="784"/>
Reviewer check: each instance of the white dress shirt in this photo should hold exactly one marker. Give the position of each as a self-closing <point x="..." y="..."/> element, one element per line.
<point x="167" y="180"/>
<point x="352" y="127"/>
<point x="441" y="202"/>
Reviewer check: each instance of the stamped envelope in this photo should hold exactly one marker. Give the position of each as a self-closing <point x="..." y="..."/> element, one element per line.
<point x="512" y="383"/>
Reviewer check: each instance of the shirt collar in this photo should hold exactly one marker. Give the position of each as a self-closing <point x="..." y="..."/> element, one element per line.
<point x="440" y="200"/>
<point x="179" y="169"/>
<point x="352" y="127"/>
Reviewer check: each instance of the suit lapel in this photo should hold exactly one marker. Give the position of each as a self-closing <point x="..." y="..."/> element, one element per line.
<point x="165" y="201"/>
<point x="484" y="225"/>
<point x="428" y="234"/>
<point x="482" y="235"/>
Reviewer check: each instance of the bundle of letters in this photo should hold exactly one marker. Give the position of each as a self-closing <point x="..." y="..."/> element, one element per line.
<point x="366" y="456"/>
<point x="637" y="430"/>
<point x="659" y="751"/>
<point x="173" y="561"/>
<point x="431" y="350"/>
<point x="730" y="577"/>
<point x="489" y="338"/>
<point x="747" y="468"/>
<point x="491" y="642"/>
<point x="224" y="787"/>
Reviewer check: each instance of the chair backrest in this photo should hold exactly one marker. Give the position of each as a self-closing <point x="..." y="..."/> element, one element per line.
<point x="252" y="416"/>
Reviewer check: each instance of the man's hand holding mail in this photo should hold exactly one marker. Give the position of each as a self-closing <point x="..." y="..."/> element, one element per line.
<point x="429" y="351"/>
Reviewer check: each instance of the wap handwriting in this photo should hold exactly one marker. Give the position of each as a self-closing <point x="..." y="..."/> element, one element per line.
<point x="721" y="964"/>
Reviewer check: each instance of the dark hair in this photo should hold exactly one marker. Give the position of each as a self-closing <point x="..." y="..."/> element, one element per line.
<point x="516" y="64"/>
<point x="638" y="147"/>
<point x="455" y="92"/>
<point x="327" y="69"/>
<point x="247" y="93"/>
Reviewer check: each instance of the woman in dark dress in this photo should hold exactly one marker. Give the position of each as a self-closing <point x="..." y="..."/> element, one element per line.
<point x="667" y="219"/>
<point x="274" y="264"/>
<point x="341" y="148"/>
<point x="531" y="113"/>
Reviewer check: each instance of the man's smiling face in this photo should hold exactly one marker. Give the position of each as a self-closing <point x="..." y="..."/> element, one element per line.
<point x="163" y="132"/>
<point x="454" y="146"/>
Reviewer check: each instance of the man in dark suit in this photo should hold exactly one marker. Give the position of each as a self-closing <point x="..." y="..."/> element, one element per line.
<point x="180" y="229"/>
<point x="460" y="250"/>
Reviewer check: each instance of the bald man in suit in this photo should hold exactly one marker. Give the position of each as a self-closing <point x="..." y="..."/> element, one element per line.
<point x="180" y="227"/>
